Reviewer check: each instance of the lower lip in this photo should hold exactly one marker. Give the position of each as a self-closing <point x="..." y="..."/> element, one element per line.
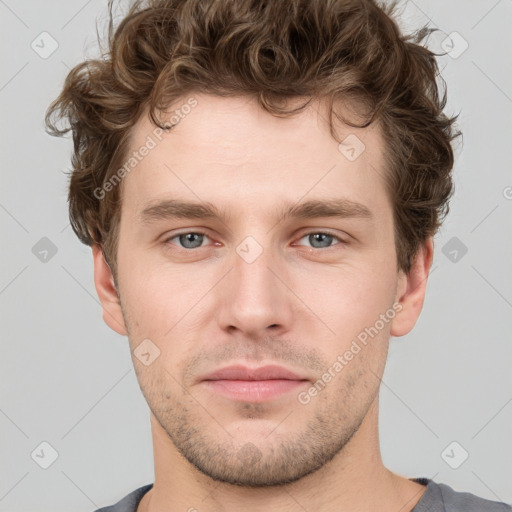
<point x="254" y="390"/>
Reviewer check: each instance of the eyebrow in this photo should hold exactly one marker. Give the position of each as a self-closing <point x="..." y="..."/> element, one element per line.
<point x="174" y="208"/>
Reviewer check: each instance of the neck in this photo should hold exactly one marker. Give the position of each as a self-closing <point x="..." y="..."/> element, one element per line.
<point x="355" y="479"/>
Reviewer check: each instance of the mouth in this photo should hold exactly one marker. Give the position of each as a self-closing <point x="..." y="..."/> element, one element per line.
<point x="253" y="384"/>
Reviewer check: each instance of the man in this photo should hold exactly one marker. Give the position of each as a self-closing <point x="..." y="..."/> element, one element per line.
<point x="260" y="183"/>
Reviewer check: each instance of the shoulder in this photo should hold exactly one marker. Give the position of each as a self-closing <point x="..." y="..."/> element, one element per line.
<point x="129" y="503"/>
<point x="439" y="497"/>
<point x="455" y="501"/>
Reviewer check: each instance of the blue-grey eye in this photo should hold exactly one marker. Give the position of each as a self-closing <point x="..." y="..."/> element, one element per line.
<point x="190" y="240"/>
<point x="320" y="240"/>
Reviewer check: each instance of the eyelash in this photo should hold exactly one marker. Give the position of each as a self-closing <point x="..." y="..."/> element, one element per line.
<point x="202" y="233"/>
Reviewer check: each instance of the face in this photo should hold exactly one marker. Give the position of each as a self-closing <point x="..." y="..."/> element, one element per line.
<point x="258" y="284"/>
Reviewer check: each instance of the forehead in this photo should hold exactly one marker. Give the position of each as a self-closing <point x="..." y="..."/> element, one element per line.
<point x="231" y="150"/>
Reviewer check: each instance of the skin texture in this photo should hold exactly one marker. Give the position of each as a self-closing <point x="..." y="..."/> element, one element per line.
<point x="300" y="304"/>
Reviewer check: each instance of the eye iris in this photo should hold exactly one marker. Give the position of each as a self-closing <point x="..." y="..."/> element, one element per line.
<point x="187" y="238"/>
<point x="321" y="237"/>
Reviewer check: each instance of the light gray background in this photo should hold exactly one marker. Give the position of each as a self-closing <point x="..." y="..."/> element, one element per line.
<point x="68" y="380"/>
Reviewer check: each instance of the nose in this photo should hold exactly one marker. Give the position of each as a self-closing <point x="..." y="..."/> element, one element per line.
<point x="255" y="301"/>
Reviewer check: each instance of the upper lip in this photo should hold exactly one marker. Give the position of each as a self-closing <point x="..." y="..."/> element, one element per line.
<point x="239" y="372"/>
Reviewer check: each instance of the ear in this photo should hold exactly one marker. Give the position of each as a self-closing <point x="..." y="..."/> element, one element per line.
<point x="107" y="293"/>
<point x="411" y="290"/>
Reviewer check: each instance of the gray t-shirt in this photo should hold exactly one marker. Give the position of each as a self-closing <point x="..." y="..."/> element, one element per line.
<point x="436" y="498"/>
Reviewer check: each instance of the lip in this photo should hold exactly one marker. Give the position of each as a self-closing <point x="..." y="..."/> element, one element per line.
<point x="253" y="384"/>
<point x="239" y="372"/>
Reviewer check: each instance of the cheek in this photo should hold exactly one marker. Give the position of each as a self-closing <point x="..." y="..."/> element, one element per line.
<point x="153" y="295"/>
<point x="348" y="298"/>
<point x="164" y="305"/>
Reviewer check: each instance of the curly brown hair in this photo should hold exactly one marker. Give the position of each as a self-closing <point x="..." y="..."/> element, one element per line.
<point x="274" y="50"/>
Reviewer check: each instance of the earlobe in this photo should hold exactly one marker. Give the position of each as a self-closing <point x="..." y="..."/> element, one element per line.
<point x="411" y="290"/>
<point x="107" y="293"/>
